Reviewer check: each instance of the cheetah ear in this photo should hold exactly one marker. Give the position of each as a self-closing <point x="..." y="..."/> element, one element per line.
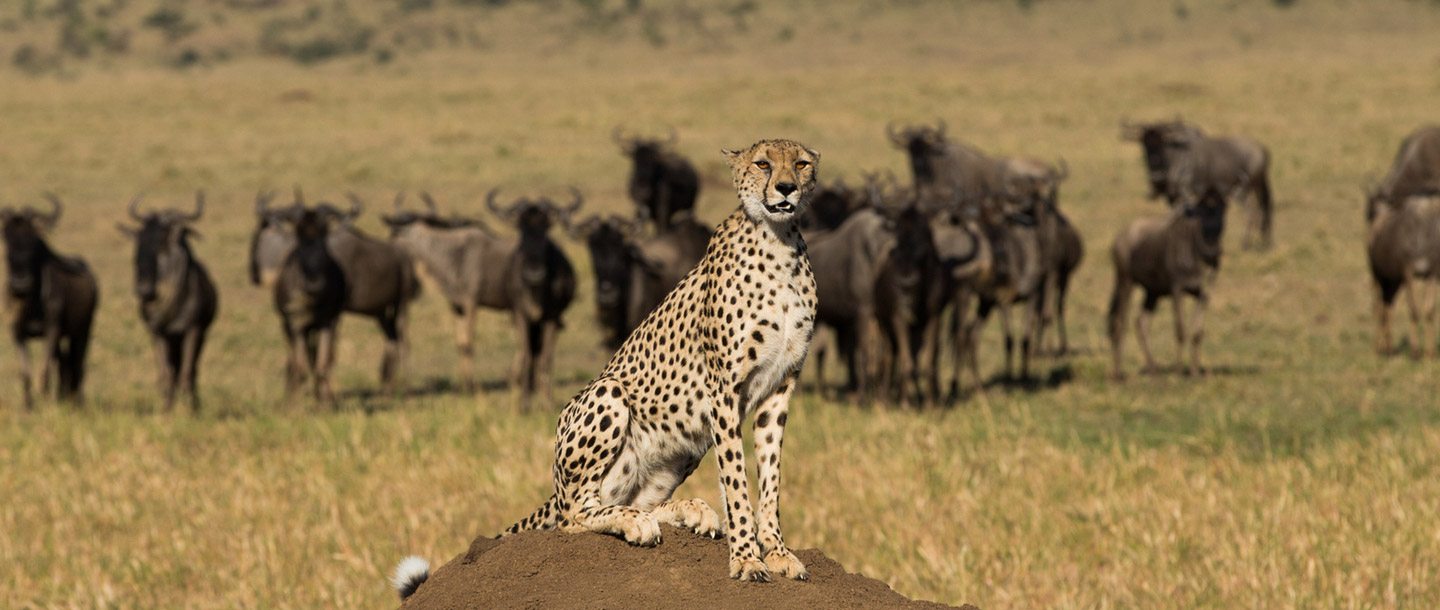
<point x="731" y="155"/>
<point x="814" y="154"/>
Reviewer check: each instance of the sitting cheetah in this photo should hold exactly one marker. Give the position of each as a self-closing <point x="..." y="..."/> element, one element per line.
<point x="726" y="343"/>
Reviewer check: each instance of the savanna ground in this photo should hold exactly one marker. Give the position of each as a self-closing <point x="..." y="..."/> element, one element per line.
<point x="1301" y="474"/>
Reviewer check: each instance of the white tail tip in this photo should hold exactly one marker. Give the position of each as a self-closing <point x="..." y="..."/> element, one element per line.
<point x="411" y="572"/>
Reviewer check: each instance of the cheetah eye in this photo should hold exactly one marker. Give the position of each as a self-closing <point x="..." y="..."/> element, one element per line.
<point x="762" y="164"/>
<point x="802" y="164"/>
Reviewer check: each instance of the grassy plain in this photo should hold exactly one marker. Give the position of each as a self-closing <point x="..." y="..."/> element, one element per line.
<point x="1302" y="474"/>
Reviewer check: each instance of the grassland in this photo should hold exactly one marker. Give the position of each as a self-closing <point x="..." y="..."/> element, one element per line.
<point x="1302" y="474"/>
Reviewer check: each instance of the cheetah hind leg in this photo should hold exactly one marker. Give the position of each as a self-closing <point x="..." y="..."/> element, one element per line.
<point x="694" y="515"/>
<point x="606" y="423"/>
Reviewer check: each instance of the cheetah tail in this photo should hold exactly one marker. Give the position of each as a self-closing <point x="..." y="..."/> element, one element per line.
<point x="409" y="575"/>
<point x="544" y="518"/>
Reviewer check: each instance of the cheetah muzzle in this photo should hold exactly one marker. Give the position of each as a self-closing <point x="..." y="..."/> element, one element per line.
<point x="725" y="345"/>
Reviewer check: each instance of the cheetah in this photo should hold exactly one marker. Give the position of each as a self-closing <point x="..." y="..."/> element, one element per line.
<point x="728" y="342"/>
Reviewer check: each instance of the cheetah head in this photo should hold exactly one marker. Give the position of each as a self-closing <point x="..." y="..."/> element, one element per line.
<point x="774" y="177"/>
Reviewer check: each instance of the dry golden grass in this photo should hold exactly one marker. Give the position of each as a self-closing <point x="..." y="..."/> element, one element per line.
<point x="1303" y="474"/>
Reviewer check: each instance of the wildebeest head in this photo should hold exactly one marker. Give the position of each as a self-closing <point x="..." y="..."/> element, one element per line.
<point x="312" y="227"/>
<point x="162" y="248"/>
<point x="1208" y="209"/>
<point x="1160" y="142"/>
<point x="533" y="217"/>
<point x="647" y="163"/>
<point x="924" y="144"/>
<point x="913" y="255"/>
<point x="25" y="248"/>
<point x="611" y="242"/>
<point x="274" y="235"/>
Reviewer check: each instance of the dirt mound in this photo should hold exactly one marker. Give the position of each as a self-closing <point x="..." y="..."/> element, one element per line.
<point x="549" y="569"/>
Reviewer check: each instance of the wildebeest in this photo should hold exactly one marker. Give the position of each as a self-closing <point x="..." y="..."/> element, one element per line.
<point x="947" y="172"/>
<point x="1061" y="248"/>
<point x="48" y="296"/>
<point x="1169" y="256"/>
<point x="527" y="275"/>
<point x="662" y="182"/>
<point x="380" y="278"/>
<point x="912" y="290"/>
<point x="846" y="263"/>
<point x="310" y="292"/>
<point x="177" y="296"/>
<point x="633" y="273"/>
<point x="1403" y="247"/>
<point x="1017" y="275"/>
<point x="1416" y="170"/>
<point x="1179" y="157"/>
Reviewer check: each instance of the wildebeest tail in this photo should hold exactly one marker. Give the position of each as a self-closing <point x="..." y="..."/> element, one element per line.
<point x="409" y="574"/>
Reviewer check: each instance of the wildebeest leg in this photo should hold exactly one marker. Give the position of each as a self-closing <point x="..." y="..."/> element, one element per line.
<point x="1030" y="341"/>
<point x="818" y="347"/>
<point x="1178" y="305"/>
<point x="1202" y="302"/>
<point x="1115" y="322"/>
<point x="867" y="352"/>
<point x="1412" y="298"/>
<point x="390" y="361"/>
<point x="972" y="343"/>
<point x="191" y="345"/>
<point x="1009" y="341"/>
<point x="928" y="363"/>
<point x="520" y="366"/>
<point x="165" y="373"/>
<point x="957" y="340"/>
<point x="1426" y="288"/>
<point x="1062" y="286"/>
<point x="545" y="361"/>
<point x="465" y="341"/>
<point x="298" y="368"/>
<point x="1142" y="329"/>
<point x="324" y="358"/>
<point x="26" y="378"/>
<point x="1382" y="319"/>
<point x="904" y="356"/>
<point x="1265" y="207"/>
<point x="49" y="376"/>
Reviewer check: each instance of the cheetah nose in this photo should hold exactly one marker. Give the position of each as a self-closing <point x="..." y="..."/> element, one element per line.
<point x="785" y="188"/>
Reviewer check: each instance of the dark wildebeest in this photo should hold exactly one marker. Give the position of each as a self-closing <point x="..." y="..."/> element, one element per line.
<point x="662" y="182"/>
<point x="1181" y="158"/>
<point x="912" y="290"/>
<point x="310" y="292"/>
<point x="1416" y="171"/>
<point x="50" y="297"/>
<point x="177" y="297"/>
<point x="634" y="273"/>
<point x="380" y="278"/>
<point x="526" y="275"/>
<point x="1017" y="276"/>
<point x="1169" y="256"/>
<point x="1403" y="247"/>
<point x="1061" y="248"/>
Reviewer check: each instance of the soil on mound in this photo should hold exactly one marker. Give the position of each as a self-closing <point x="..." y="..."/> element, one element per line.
<point x="550" y="569"/>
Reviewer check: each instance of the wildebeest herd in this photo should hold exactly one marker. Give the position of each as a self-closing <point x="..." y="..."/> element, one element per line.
<point x="903" y="270"/>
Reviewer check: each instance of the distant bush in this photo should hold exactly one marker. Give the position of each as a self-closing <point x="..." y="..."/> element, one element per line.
<point x="171" y="21"/>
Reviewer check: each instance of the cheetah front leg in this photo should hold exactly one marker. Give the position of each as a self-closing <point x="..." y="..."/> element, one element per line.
<point x="769" y="433"/>
<point x="729" y="443"/>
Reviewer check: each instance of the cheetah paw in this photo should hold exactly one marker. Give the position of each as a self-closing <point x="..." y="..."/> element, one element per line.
<point x="642" y="530"/>
<point x="781" y="561"/>
<point x="703" y="521"/>
<point x="749" y="569"/>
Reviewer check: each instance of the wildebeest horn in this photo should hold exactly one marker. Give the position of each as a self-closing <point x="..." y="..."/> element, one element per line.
<point x="55" y="208"/>
<point x="896" y="137"/>
<point x="491" y="205"/>
<point x="262" y="202"/>
<point x="429" y="203"/>
<point x="134" y="207"/>
<point x="357" y="205"/>
<point x="199" y="208"/>
<point x="576" y="199"/>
